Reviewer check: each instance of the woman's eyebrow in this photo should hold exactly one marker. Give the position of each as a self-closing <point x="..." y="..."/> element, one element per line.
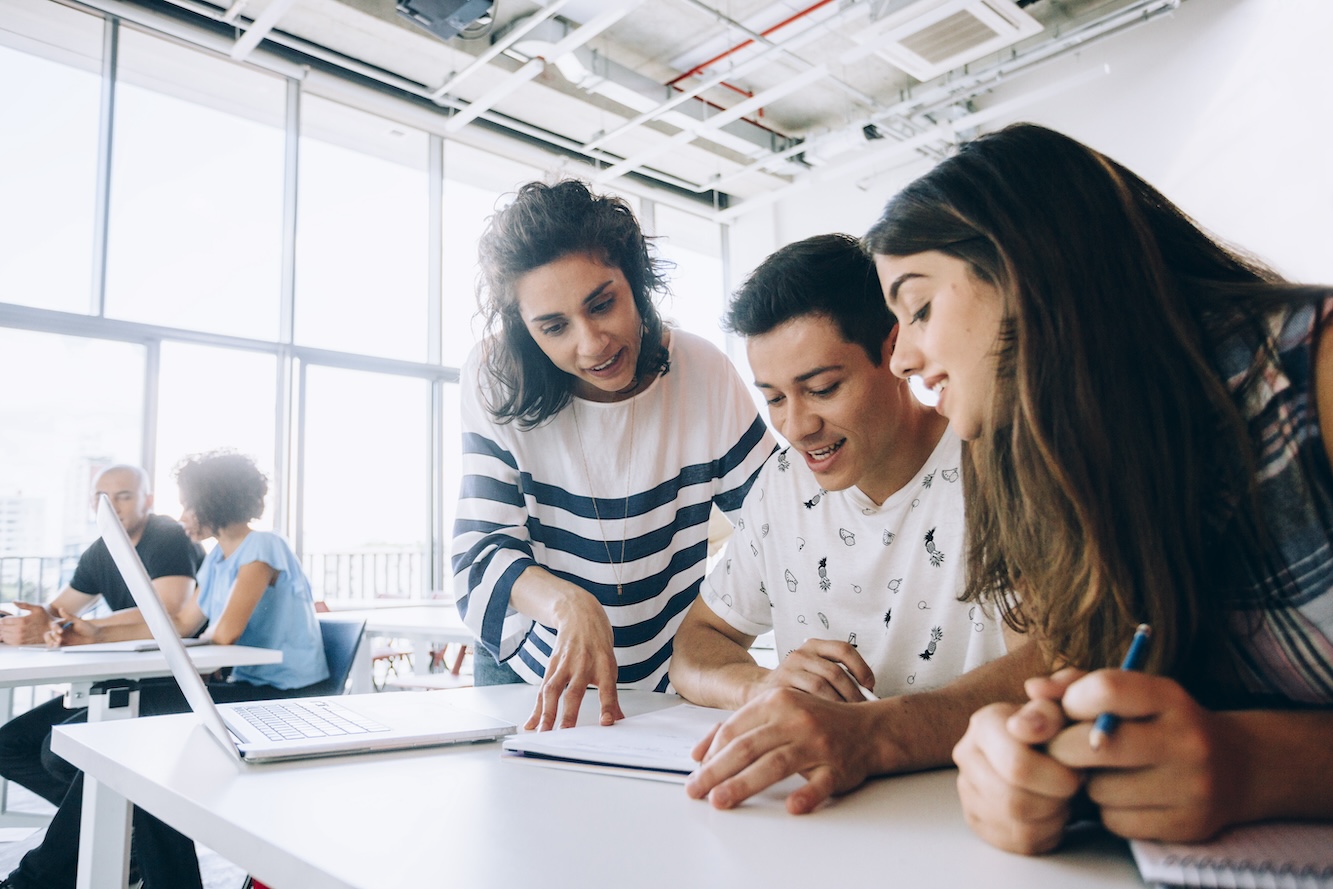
<point x="898" y="282"/>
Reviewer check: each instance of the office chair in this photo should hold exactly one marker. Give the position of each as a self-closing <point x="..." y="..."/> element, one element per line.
<point x="341" y="638"/>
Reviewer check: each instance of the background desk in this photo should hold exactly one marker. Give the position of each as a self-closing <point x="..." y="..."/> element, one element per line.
<point x="421" y="623"/>
<point x="34" y="666"/>
<point x="364" y="822"/>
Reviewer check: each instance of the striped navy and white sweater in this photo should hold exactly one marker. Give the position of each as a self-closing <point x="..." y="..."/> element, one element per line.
<point x="527" y="498"/>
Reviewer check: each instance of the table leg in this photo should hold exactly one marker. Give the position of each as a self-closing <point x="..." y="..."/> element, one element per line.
<point x="363" y="670"/>
<point x="421" y="660"/>
<point x="104" y="837"/>
<point x="6" y="707"/>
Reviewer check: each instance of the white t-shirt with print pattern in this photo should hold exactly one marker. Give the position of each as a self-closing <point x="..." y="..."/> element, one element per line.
<point x="809" y="563"/>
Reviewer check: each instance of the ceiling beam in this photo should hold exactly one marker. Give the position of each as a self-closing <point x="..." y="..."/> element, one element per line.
<point x="509" y="38"/>
<point x="260" y="28"/>
<point x="528" y="72"/>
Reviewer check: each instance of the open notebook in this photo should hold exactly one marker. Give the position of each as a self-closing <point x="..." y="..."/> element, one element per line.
<point x="1280" y="855"/>
<point x="294" y="728"/>
<point x="652" y="745"/>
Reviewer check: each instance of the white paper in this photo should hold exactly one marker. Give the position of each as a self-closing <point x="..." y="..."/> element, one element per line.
<point x="660" y="741"/>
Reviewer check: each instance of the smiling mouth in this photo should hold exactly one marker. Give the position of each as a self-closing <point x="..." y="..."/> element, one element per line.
<point x="825" y="453"/>
<point x="605" y="365"/>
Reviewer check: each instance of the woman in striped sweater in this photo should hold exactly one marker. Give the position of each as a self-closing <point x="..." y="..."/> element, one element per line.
<point x="595" y="442"/>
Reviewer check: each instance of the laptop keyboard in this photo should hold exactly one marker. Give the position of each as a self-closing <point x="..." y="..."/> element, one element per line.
<point x="293" y="720"/>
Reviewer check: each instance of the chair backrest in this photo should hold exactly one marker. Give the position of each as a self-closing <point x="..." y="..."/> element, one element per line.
<point x="341" y="638"/>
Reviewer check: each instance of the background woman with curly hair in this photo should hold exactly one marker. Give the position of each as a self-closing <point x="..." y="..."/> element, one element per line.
<point x="251" y="591"/>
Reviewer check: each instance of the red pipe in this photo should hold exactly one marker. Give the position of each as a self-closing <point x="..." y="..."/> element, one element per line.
<point x="740" y="46"/>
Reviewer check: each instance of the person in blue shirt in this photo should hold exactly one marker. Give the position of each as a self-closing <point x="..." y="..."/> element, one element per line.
<point x="251" y="591"/>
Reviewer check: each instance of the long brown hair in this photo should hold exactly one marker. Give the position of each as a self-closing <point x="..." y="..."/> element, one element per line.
<point x="1115" y="462"/>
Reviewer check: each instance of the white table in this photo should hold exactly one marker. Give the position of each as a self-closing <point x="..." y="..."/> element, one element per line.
<point x="30" y="665"/>
<point x="363" y="822"/>
<point x="423" y="623"/>
<point x="83" y="671"/>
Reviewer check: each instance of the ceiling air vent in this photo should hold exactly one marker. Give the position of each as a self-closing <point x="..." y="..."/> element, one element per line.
<point x="930" y="37"/>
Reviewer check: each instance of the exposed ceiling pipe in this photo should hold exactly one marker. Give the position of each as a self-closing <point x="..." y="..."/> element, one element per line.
<point x="947" y="132"/>
<point x="771" y="94"/>
<point x="753" y="36"/>
<point x="591" y="72"/>
<point x="762" y="37"/>
<point x="575" y="39"/>
<point x="694" y="131"/>
<point x="748" y="65"/>
<point x="260" y="28"/>
<point x="973" y="85"/>
<point x="508" y="39"/>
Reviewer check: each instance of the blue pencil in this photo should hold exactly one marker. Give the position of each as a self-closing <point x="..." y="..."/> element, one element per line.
<point x="1134" y="658"/>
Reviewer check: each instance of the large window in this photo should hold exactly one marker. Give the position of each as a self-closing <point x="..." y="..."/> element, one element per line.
<point x="270" y="261"/>
<point x="72" y="406"/>
<point x="211" y="399"/>
<point x="367" y="482"/>
<point x="195" y="236"/>
<point x="363" y="223"/>
<point x="694" y="244"/>
<point x="476" y="184"/>
<point x="50" y="89"/>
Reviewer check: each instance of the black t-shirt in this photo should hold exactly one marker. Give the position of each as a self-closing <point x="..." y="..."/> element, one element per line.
<point x="166" y="551"/>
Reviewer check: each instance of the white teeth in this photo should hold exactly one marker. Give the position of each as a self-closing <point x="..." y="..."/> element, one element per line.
<point x="609" y="362"/>
<point x="824" y="452"/>
<point x="939" y="387"/>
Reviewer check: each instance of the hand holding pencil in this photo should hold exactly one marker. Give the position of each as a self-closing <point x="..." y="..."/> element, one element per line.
<point x="1134" y="660"/>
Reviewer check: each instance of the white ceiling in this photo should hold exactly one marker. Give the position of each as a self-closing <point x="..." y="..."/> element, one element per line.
<point x="595" y="77"/>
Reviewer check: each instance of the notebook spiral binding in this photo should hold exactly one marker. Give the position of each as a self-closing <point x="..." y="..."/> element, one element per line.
<point x="1207" y="869"/>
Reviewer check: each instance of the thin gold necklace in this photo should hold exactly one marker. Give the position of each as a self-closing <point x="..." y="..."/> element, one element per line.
<point x="624" y="521"/>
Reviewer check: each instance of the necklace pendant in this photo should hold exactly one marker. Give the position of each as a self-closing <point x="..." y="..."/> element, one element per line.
<point x="619" y="589"/>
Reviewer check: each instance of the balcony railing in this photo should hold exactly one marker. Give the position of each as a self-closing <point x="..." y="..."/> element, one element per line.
<point x="372" y="574"/>
<point x="33" y="578"/>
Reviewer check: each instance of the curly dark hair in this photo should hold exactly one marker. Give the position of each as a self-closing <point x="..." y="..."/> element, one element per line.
<point x="827" y="275"/>
<point x="543" y="224"/>
<point x="221" y="488"/>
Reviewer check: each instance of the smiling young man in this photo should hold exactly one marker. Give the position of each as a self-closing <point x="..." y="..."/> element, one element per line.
<point x="849" y="547"/>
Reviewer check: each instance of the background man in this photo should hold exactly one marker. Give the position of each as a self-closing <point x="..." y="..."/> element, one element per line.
<point x="171" y="559"/>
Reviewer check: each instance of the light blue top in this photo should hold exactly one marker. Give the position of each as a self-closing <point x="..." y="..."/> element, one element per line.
<point x="284" y="618"/>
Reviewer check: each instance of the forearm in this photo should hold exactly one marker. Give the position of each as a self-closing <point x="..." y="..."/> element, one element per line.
<point x="711" y="670"/>
<point x="1282" y="763"/>
<point x="545" y="598"/>
<point x="109" y="630"/>
<point x="919" y="731"/>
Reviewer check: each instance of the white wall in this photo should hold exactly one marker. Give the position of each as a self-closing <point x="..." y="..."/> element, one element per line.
<point x="1226" y="106"/>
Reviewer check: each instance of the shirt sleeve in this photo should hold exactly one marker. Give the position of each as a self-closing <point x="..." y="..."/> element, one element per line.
<point x="173" y="553"/>
<point x="491" y="545"/>
<point x="754" y="443"/>
<point x="735" y="588"/>
<point x="86" y="572"/>
<point x="264" y="547"/>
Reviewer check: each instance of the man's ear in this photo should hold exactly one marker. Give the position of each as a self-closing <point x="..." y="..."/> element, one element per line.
<point x="891" y="342"/>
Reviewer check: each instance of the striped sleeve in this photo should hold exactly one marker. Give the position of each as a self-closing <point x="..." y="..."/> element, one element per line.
<point x="754" y="444"/>
<point x="491" y="546"/>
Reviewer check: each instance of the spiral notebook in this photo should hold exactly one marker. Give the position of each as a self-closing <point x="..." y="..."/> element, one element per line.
<point x="1275" y="855"/>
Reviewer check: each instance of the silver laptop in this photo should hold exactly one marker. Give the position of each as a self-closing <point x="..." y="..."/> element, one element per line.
<point x="295" y="728"/>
